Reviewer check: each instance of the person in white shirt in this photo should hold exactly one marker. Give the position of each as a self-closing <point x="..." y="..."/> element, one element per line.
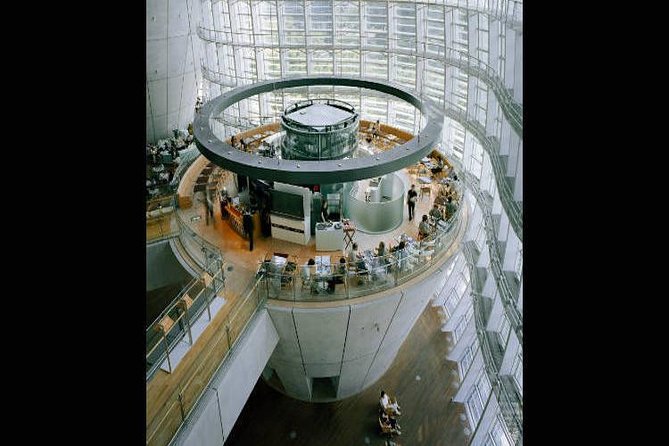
<point x="387" y="405"/>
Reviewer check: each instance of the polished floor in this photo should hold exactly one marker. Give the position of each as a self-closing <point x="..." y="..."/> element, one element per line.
<point x="421" y="378"/>
<point x="244" y="263"/>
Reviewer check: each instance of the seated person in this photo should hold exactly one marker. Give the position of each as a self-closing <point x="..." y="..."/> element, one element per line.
<point x="435" y="212"/>
<point x="325" y="213"/>
<point x="423" y="228"/>
<point x="389" y="422"/>
<point x="450" y="207"/>
<point x="384" y="261"/>
<point x="308" y="271"/>
<point x="400" y="254"/>
<point x="438" y="167"/>
<point x="361" y="267"/>
<point x="387" y="405"/>
<point x="381" y="250"/>
<point x="400" y="246"/>
<point x="341" y="271"/>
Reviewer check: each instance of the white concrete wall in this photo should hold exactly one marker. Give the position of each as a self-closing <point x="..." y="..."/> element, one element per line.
<point x="356" y="342"/>
<point x="203" y="427"/>
<point x="162" y="266"/>
<point x="223" y="400"/>
<point x="469" y="380"/>
<point x="466" y="339"/>
<point x="172" y="65"/>
<point x="485" y="423"/>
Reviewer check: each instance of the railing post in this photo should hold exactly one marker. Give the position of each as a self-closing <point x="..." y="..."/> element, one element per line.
<point x="294" y="282"/>
<point x="181" y="406"/>
<point x="206" y="297"/>
<point x="190" y="336"/>
<point x="167" y="350"/>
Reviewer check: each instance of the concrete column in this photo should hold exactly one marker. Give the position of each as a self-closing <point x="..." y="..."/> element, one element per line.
<point x="353" y="343"/>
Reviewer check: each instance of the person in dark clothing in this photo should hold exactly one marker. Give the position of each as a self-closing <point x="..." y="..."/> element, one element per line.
<point x="412" y="197"/>
<point x="325" y="213"/>
<point x="248" y="228"/>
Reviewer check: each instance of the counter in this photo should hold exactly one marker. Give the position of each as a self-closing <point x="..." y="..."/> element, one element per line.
<point x="329" y="238"/>
<point x="236" y="219"/>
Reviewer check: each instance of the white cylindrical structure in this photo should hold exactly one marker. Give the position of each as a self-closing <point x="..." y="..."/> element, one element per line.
<point x="332" y="350"/>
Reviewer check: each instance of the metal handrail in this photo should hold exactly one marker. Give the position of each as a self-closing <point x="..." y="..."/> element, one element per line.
<point x="210" y="251"/>
<point x="227" y="339"/>
<point x="508" y="299"/>
<point x="177" y="332"/>
<point x="513" y="110"/>
<point x="190" y="154"/>
<point x="491" y="145"/>
<point x="514" y="18"/>
<point x="382" y="272"/>
<point x="509" y="400"/>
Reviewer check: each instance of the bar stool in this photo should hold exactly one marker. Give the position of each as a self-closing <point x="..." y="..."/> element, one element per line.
<point x="425" y="190"/>
<point x="349" y="232"/>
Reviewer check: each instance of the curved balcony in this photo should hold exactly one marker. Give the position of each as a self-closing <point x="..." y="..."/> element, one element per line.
<point x="430" y="50"/>
<point x="510" y="402"/>
<point x="506" y="11"/>
<point x="378" y="274"/>
<point x="491" y="145"/>
<point x="509" y="298"/>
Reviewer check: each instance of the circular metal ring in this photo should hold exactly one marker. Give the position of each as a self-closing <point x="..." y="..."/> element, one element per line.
<point x="323" y="171"/>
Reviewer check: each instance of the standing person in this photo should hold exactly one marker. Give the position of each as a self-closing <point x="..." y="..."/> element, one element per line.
<point x="210" y="210"/>
<point x="325" y="213"/>
<point x="412" y="197"/>
<point x="248" y="228"/>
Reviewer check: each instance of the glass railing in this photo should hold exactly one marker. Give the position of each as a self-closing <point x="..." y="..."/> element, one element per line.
<point x="160" y="221"/>
<point x="508" y="297"/>
<point x="509" y="401"/>
<point x="186" y="158"/>
<point x="197" y="248"/>
<point x="491" y="145"/>
<point x="174" y="323"/>
<point x="426" y="49"/>
<point x="169" y="403"/>
<point x="292" y="279"/>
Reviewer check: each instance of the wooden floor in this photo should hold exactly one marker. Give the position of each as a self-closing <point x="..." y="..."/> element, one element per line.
<point x="421" y="378"/>
<point x="343" y="423"/>
<point x="245" y="263"/>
